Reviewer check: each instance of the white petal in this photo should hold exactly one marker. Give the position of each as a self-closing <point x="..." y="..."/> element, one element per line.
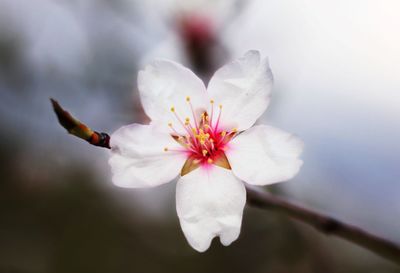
<point x="138" y="158"/>
<point x="243" y="88"/>
<point x="210" y="203"/>
<point x="165" y="84"/>
<point x="264" y="155"/>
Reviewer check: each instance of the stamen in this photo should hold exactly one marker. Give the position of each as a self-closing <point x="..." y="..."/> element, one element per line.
<point x="166" y="149"/>
<point x="193" y="114"/>
<point x="187" y="121"/>
<point x="223" y="134"/>
<point x="212" y="144"/>
<point x="172" y="128"/>
<point x="180" y="121"/>
<point x="212" y="110"/>
<point x="219" y="117"/>
<point x="203" y="140"/>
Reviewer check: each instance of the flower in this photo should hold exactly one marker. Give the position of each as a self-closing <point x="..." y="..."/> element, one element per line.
<point x="206" y="138"/>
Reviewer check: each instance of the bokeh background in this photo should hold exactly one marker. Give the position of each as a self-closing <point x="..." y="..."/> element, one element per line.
<point x="337" y="86"/>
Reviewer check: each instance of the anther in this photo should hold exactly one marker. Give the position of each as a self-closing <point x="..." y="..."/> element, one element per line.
<point x="187" y="121"/>
<point x="172" y="109"/>
<point x="223" y="133"/>
<point x="220" y="106"/>
<point x="234" y="130"/>
<point x="170" y="124"/>
<point x="204" y="152"/>
<point x="187" y="98"/>
<point x="211" y="101"/>
<point x="165" y="149"/>
<point x="209" y="161"/>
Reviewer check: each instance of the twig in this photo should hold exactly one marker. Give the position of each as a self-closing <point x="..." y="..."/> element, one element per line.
<point x="79" y="129"/>
<point x="261" y="199"/>
<point x="325" y="224"/>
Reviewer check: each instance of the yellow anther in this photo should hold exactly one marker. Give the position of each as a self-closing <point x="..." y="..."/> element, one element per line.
<point x="187" y="98"/>
<point x="165" y="149"/>
<point x="211" y="101"/>
<point x="202" y="115"/>
<point x="211" y="140"/>
<point x="204" y="152"/>
<point x="202" y="142"/>
<point x="194" y="130"/>
<point x="209" y="161"/>
<point x="220" y="106"/>
<point x="170" y="124"/>
<point x="207" y="135"/>
<point x="172" y="109"/>
<point x="187" y="119"/>
<point x="234" y="130"/>
<point x="223" y="133"/>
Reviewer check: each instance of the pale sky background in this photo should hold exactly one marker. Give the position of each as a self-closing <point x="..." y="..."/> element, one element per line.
<point x="337" y="85"/>
<point x="337" y="81"/>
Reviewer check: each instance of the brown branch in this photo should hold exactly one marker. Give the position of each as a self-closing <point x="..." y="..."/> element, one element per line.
<point x="325" y="224"/>
<point x="261" y="199"/>
<point x="79" y="129"/>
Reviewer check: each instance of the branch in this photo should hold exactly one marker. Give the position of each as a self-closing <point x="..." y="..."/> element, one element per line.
<point x="78" y="129"/>
<point x="261" y="199"/>
<point x="325" y="224"/>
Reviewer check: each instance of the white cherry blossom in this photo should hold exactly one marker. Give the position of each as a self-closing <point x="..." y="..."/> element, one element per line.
<point x="206" y="137"/>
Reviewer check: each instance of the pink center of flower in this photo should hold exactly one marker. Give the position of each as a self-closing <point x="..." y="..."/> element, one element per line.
<point x="203" y="141"/>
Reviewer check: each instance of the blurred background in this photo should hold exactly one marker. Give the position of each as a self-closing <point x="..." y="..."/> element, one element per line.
<point x="337" y="81"/>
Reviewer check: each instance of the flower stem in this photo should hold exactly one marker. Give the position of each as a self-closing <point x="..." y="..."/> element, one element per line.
<point x="325" y="224"/>
<point x="261" y="199"/>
